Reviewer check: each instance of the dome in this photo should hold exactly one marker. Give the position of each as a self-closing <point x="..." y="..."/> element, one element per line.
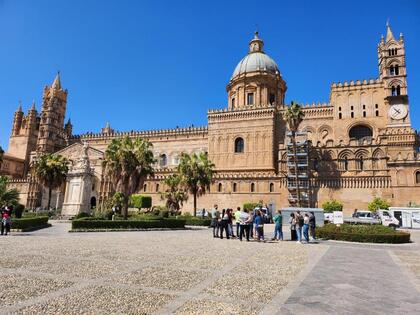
<point x="256" y="61"/>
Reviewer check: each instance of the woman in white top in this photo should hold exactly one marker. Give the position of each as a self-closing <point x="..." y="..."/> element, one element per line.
<point x="244" y="221"/>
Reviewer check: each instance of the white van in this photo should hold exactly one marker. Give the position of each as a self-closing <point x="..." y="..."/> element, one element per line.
<point x="387" y="219"/>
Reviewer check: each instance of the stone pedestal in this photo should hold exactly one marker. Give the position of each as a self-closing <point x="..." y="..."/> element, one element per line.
<point x="78" y="187"/>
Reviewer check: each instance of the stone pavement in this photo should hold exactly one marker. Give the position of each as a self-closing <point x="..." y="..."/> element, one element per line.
<point x="51" y="271"/>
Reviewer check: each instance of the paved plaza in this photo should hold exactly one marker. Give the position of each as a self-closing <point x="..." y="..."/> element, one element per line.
<point x="52" y="271"/>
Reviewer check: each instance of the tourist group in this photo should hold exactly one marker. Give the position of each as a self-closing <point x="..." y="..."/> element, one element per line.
<point x="250" y="224"/>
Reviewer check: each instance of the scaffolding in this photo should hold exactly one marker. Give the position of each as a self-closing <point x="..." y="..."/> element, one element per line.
<point x="301" y="178"/>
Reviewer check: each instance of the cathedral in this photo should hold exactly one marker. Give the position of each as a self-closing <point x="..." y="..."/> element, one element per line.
<point x="360" y="144"/>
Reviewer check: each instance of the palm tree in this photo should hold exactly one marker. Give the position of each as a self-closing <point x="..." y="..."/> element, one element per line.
<point x="196" y="172"/>
<point x="174" y="195"/>
<point x="7" y="196"/>
<point x="127" y="163"/>
<point x="51" y="171"/>
<point x="294" y="116"/>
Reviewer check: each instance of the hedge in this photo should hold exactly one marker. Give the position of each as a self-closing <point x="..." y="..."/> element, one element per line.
<point x="27" y="224"/>
<point x="128" y="224"/>
<point x="195" y="221"/>
<point x="251" y="205"/>
<point x="363" y="233"/>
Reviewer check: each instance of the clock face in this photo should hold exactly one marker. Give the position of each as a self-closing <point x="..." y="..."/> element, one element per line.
<point x="398" y="111"/>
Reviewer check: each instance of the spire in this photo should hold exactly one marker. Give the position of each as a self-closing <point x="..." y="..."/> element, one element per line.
<point x="389" y="34"/>
<point x="57" y="84"/>
<point x="19" y="107"/>
<point x="33" y="106"/>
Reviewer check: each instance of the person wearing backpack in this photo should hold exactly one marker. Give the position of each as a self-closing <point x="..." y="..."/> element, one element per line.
<point x="299" y="226"/>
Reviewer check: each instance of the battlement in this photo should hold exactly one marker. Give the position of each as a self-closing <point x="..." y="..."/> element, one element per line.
<point x="145" y="133"/>
<point x="358" y="83"/>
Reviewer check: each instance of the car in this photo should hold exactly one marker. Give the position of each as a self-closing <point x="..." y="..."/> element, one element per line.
<point x="387" y="219"/>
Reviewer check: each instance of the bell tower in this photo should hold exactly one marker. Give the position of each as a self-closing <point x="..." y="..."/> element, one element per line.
<point x="51" y="137"/>
<point x="393" y="73"/>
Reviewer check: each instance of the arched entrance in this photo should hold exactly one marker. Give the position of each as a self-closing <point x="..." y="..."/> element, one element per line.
<point x="93" y="202"/>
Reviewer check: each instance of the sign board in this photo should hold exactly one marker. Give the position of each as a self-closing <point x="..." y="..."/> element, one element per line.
<point x="338" y="217"/>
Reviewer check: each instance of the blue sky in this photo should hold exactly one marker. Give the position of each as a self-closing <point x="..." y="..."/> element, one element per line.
<point x="161" y="64"/>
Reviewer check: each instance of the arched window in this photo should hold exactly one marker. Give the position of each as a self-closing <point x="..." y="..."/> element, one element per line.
<point x="398" y="90"/>
<point x="360" y="132"/>
<point x="418" y="177"/>
<point x="252" y="187"/>
<point x="393" y="91"/>
<point x="233" y="102"/>
<point x="360" y="163"/>
<point x="157" y="187"/>
<point x="271" y="187"/>
<point x="239" y="145"/>
<point x="219" y="187"/>
<point x="144" y="187"/>
<point x="163" y="160"/>
<point x="389" y="52"/>
<point x="234" y="187"/>
<point x="396" y="70"/>
<point x="391" y="70"/>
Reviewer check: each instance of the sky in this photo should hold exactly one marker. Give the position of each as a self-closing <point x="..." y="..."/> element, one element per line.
<point x="144" y="65"/>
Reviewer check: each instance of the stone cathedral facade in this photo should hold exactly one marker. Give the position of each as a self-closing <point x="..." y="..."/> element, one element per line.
<point x="362" y="142"/>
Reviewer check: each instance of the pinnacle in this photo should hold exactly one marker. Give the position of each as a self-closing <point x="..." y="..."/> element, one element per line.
<point x="389" y="34"/>
<point x="57" y="83"/>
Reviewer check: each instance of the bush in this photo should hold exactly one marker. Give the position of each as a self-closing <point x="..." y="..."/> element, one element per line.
<point x="363" y="233"/>
<point x="81" y="215"/>
<point x="164" y="213"/>
<point x="27" y="224"/>
<point x="332" y="205"/>
<point x="378" y="203"/>
<point x="18" y="211"/>
<point x="128" y="224"/>
<point x="141" y="201"/>
<point x="251" y="205"/>
<point x="190" y="220"/>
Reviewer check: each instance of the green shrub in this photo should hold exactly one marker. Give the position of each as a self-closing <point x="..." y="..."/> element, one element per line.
<point x="127" y="224"/>
<point x="26" y="224"/>
<point x="251" y="205"/>
<point x="81" y="215"/>
<point x="190" y="220"/>
<point x="187" y="214"/>
<point x="141" y="201"/>
<point x="164" y="213"/>
<point x="363" y="233"/>
<point x="332" y="205"/>
<point x="378" y="203"/>
<point x="18" y="211"/>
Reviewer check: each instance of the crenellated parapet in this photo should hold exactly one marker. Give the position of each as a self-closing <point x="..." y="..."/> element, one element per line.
<point x="226" y="114"/>
<point x="190" y="131"/>
<point x="355" y="85"/>
<point x="318" y="110"/>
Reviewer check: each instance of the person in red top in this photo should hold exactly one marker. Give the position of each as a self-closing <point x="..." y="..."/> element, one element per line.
<point x="5" y="221"/>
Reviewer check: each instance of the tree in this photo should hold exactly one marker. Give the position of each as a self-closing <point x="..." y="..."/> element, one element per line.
<point x="196" y="172"/>
<point x="294" y="116"/>
<point x="378" y="203"/>
<point x="7" y="196"/>
<point x="51" y="171"/>
<point x="332" y="205"/>
<point x="175" y="195"/>
<point x="127" y="163"/>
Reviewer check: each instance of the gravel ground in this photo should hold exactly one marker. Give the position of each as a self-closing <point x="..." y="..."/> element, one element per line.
<point x="186" y="272"/>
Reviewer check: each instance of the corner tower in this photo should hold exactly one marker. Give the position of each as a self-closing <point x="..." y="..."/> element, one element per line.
<point x="52" y="135"/>
<point x="256" y="80"/>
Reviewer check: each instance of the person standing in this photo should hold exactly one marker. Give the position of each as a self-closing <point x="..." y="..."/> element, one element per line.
<point x="292" y="223"/>
<point x="299" y="226"/>
<point x="215" y="216"/>
<point x="251" y="224"/>
<point x="224" y="224"/>
<point x="230" y="222"/>
<point x="306" y="227"/>
<point x="6" y="221"/>
<point x="244" y="225"/>
<point x="237" y="215"/>
<point x="259" y="226"/>
<point x="312" y="225"/>
<point x="278" y="228"/>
